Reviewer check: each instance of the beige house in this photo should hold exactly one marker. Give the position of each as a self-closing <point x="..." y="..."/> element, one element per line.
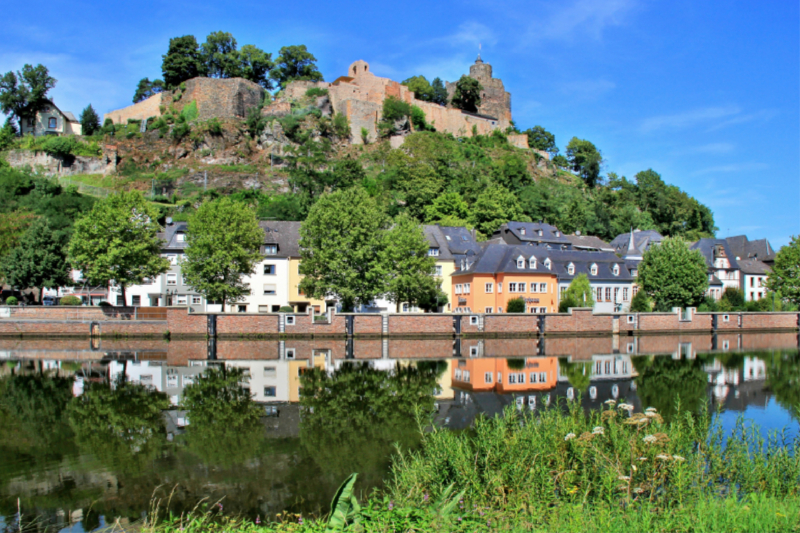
<point x="51" y="121"/>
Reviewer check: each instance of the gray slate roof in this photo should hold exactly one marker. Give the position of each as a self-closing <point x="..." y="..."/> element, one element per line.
<point x="528" y="232"/>
<point x="589" y="242"/>
<point x="707" y="247"/>
<point x="285" y="234"/>
<point x="754" y="266"/>
<point x="497" y="258"/>
<point x="642" y="239"/>
<point x="746" y="249"/>
<point x="437" y="239"/>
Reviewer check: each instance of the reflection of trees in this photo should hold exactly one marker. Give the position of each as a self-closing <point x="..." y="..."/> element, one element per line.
<point x="783" y="378"/>
<point x="354" y="416"/>
<point x="578" y="374"/>
<point x="224" y="422"/>
<point x="731" y="360"/>
<point x="663" y="380"/>
<point x="120" y="425"/>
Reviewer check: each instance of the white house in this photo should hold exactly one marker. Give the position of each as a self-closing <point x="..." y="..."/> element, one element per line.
<point x="721" y="263"/>
<point x="754" y="274"/>
<point x="51" y="121"/>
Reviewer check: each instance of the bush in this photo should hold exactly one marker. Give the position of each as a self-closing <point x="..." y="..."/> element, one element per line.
<point x="341" y="126"/>
<point x="641" y="303"/>
<point x="418" y="120"/>
<point x="12" y="300"/>
<point x="285" y="309"/>
<point x="515" y="363"/>
<point x="70" y="300"/>
<point x="105" y="304"/>
<point x="566" y="303"/>
<point x="180" y="131"/>
<point x="364" y="135"/>
<point x="189" y="112"/>
<point x="317" y="91"/>
<point x="108" y="127"/>
<point x="733" y="297"/>
<point x="214" y="127"/>
<point x="515" y="305"/>
<point x="60" y="146"/>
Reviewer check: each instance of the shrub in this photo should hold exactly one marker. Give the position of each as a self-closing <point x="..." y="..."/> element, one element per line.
<point x="341" y="126"/>
<point x="515" y="363"/>
<point x="285" y="309"/>
<point x="735" y="297"/>
<point x="364" y="135"/>
<point x="566" y="303"/>
<point x="214" y="127"/>
<point x="60" y="146"/>
<point x="12" y="300"/>
<point x="189" y="112"/>
<point x="255" y="122"/>
<point x="70" y="300"/>
<point x="418" y="119"/>
<point x="105" y="304"/>
<point x="641" y="303"/>
<point x="394" y="109"/>
<point x="515" y="305"/>
<point x="108" y="127"/>
<point x="180" y="131"/>
<point x="317" y="91"/>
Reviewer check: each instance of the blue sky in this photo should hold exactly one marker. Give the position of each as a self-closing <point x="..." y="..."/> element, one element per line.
<point x="705" y="93"/>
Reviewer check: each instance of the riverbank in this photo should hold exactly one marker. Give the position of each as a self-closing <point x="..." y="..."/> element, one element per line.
<point x="614" y="471"/>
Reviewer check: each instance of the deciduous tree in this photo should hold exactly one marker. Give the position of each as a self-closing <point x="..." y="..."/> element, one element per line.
<point x="295" y="63"/>
<point x="439" y="92"/>
<point x="578" y="294"/>
<point x="118" y="241"/>
<point x="541" y="139"/>
<point x="255" y="64"/>
<point x="785" y="275"/>
<point x="496" y="206"/>
<point x="146" y="88"/>
<point x="24" y="94"/>
<point x="421" y="88"/>
<point x="183" y="61"/>
<point x="40" y="260"/>
<point x="341" y="246"/>
<point x="411" y="269"/>
<point x="585" y="159"/>
<point x="224" y="244"/>
<point x="219" y="55"/>
<point x="468" y="94"/>
<point x="673" y="275"/>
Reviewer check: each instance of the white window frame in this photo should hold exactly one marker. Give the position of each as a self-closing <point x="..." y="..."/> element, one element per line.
<point x="489" y="288"/>
<point x="543" y="287"/>
<point x="593" y="269"/>
<point x="521" y="287"/>
<point x="466" y="288"/>
<point x="571" y="269"/>
<point x="182" y="299"/>
<point x="532" y="262"/>
<point x="499" y="287"/>
<point x="488" y="310"/>
<point x="458" y="288"/>
<point x="488" y="377"/>
<point x="290" y="320"/>
<point x="438" y="271"/>
<point x="180" y="237"/>
<point x="197" y="300"/>
<point x="433" y="252"/>
<point x="512" y="286"/>
<point x="274" y="289"/>
<point x="548" y="264"/>
<point x="272" y="267"/>
<point x="270" y="249"/>
<point x="615" y="270"/>
<point x="172" y="279"/>
<point x="520" y="262"/>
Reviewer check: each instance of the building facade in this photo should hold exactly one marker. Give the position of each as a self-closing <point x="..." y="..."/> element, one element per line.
<point x="51" y="121"/>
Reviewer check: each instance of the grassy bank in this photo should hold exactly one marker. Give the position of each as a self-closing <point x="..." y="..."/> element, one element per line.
<point x="563" y="471"/>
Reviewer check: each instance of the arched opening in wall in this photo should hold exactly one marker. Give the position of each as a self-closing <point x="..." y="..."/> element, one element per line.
<point x="366" y="67"/>
<point x="355" y="71"/>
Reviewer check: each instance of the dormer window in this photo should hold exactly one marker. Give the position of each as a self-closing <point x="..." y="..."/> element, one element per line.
<point x="180" y="237"/>
<point x="547" y="264"/>
<point x="522" y="231"/>
<point x="520" y="262"/>
<point x="270" y="249"/>
<point x="532" y="262"/>
<point x="634" y="272"/>
<point x="616" y="270"/>
<point x="433" y="252"/>
<point x="558" y="234"/>
<point x="571" y="269"/>
<point x="594" y="269"/>
<point x="463" y="263"/>
<point x="540" y="233"/>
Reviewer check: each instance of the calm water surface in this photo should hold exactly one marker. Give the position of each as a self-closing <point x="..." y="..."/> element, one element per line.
<point x="91" y="433"/>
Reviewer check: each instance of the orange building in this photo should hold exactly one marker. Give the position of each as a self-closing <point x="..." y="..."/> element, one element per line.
<point x="501" y="375"/>
<point x="501" y="273"/>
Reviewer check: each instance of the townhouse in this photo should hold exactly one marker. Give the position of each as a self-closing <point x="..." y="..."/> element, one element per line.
<point x="611" y="279"/>
<point x="722" y="265"/>
<point x="753" y="274"/>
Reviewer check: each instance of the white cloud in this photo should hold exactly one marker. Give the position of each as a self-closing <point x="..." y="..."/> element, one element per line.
<point x="688" y="118"/>
<point x="580" y="18"/>
<point x="733" y="167"/>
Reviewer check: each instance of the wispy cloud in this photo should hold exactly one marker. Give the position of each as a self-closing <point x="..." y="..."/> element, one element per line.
<point x="580" y="18"/>
<point x="588" y="88"/>
<point x="688" y="118"/>
<point x="710" y="148"/>
<point x="733" y="167"/>
<point x="763" y="115"/>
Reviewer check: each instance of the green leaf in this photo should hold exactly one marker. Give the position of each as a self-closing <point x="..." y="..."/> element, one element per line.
<point x="342" y="507"/>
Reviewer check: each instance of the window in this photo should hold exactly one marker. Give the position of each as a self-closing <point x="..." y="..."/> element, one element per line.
<point x="182" y="299"/>
<point x="466" y="375"/>
<point x="557" y="234"/>
<point x="488" y="310"/>
<point x="499" y="309"/>
<point x="635" y="289"/>
<point x="489" y="288"/>
<point x="548" y="264"/>
<point x="532" y="262"/>
<point x="499" y="287"/>
<point x="136" y="300"/>
<point x="543" y="287"/>
<point x="512" y="287"/>
<point x="270" y="372"/>
<point x="269" y="270"/>
<point x="522" y="231"/>
<point x="458" y="288"/>
<point x="542" y="309"/>
<point x="473" y="321"/>
<point x="458" y="374"/>
<point x="197" y="300"/>
<point x="625" y="294"/>
<point x="542" y="377"/>
<point x="726" y="318"/>
<point x="571" y="269"/>
<point x="534" y="375"/>
<point x="433" y="252"/>
<point x="616" y="294"/>
<point x="405" y="308"/>
<point x="608" y="294"/>
<point x="172" y="381"/>
<point x="241" y="309"/>
<point x="594" y="269"/>
<point x="466" y="288"/>
<point x="270" y="249"/>
<point x="634" y="272"/>
<point x="120" y="301"/>
<point x="270" y="289"/>
<point x="500" y="377"/>
<point x="52" y="123"/>
<point x="269" y="392"/>
<point x="172" y="258"/>
<point x="172" y="279"/>
<point x="599" y="294"/>
<point x="180" y="237"/>
<point x="487" y="377"/>
<point x="533" y="310"/>
<point x="540" y="233"/>
<point x="520" y="262"/>
<point x="439" y="270"/>
<point x="290" y="320"/>
<point x="521" y="287"/>
<point x="289" y="351"/>
<point x="563" y="292"/>
<point x="534" y="287"/>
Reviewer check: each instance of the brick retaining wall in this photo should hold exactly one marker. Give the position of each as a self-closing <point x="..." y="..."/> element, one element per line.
<point x="83" y="328"/>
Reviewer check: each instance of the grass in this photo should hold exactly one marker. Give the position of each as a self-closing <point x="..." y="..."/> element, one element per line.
<point x="559" y="470"/>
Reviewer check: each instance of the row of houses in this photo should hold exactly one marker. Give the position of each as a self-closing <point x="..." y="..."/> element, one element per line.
<point x="529" y="260"/>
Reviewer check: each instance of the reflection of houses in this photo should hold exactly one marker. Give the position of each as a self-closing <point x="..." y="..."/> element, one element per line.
<point x="610" y="378"/>
<point x="739" y="385"/>
<point x="157" y="375"/>
<point x="505" y="375"/>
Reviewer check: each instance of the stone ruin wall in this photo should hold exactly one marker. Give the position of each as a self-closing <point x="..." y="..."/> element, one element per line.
<point x="222" y="98"/>
<point x="141" y="111"/>
<point x="495" y="101"/>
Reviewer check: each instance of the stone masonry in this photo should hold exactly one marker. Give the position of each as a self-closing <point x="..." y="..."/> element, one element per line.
<point x="495" y="100"/>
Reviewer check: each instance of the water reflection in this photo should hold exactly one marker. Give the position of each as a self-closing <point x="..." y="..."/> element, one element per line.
<point x="91" y="432"/>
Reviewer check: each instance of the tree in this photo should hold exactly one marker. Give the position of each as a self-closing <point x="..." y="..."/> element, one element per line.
<point x="496" y="206"/>
<point x="641" y="303"/>
<point x="8" y="134"/>
<point x="118" y="241"/>
<point x="421" y="88"/>
<point x="515" y="305"/>
<point x="183" y="61"/>
<point x="224" y="244"/>
<point x="732" y="299"/>
<point x="255" y="65"/>
<point x="673" y="275"/>
<point x="448" y="206"/>
<point x="411" y="268"/>
<point x="785" y="275"/>
<point x="90" y="121"/>
<point x="24" y="94"/>
<point x="146" y="88"/>
<point x="219" y="55"/>
<point x="541" y="139"/>
<point x="468" y="94"/>
<point x="341" y="247"/>
<point x="439" y="92"/>
<point x="40" y="260"/>
<point x="295" y="63"/>
<point x="585" y="159"/>
<point x="578" y="294"/>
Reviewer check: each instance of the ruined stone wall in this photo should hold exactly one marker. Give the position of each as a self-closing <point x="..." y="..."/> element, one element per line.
<point x="495" y="100"/>
<point x="141" y="111"/>
<point x="297" y="89"/>
<point x="50" y="165"/>
<point x="222" y="98"/>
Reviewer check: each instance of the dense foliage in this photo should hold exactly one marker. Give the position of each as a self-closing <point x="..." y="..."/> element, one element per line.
<point x="579" y="294"/>
<point x="785" y="275"/>
<point x="24" y="94"/>
<point x="673" y="275"/>
<point x="467" y="95"/>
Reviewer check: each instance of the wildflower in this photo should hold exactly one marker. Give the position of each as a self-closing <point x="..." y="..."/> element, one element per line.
<point x="426" y="497"/>
<point x="651" y="414"/>
<point x="624" y="478"/>
<point x="678" y="458"/>
<point x="459" y="519"/>
<point x="598" y="431"/>
<point x="258" y="519"/>
<point x="612" y="403"/>
<point x="663" y="457"/>
<point x="643" y="458"/>
<point x="300" y="520"/>
<point x="569" y="436"/>
<point x="220" y="506"/>
<point x="650" y="410"/>
<point x="650" y="439"/>
<point x="638" y="490"/>
<point x="391" y="505"/>
<point x="626" y="406"/>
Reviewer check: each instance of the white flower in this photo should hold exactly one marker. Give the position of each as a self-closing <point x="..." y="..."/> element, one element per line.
<point x="651" y="414"/>
<point x="650" y="439"/>
<point x="638" y="490"/>
<point x="598" y="431"/>
<point x="643" y="458"/>
<point x="634" y="468"/>
<point x="626" y="406"/>
<point x="624" y="478"/>
<point x="663" y="457"/>
<point x="650" y="410"/>
<point x="611" y="402"/>
<point x="569" y="436"/>
<point x="678" y="458"/>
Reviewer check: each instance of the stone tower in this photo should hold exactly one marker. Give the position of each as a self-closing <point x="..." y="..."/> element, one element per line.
<point x="495" y="101"/>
